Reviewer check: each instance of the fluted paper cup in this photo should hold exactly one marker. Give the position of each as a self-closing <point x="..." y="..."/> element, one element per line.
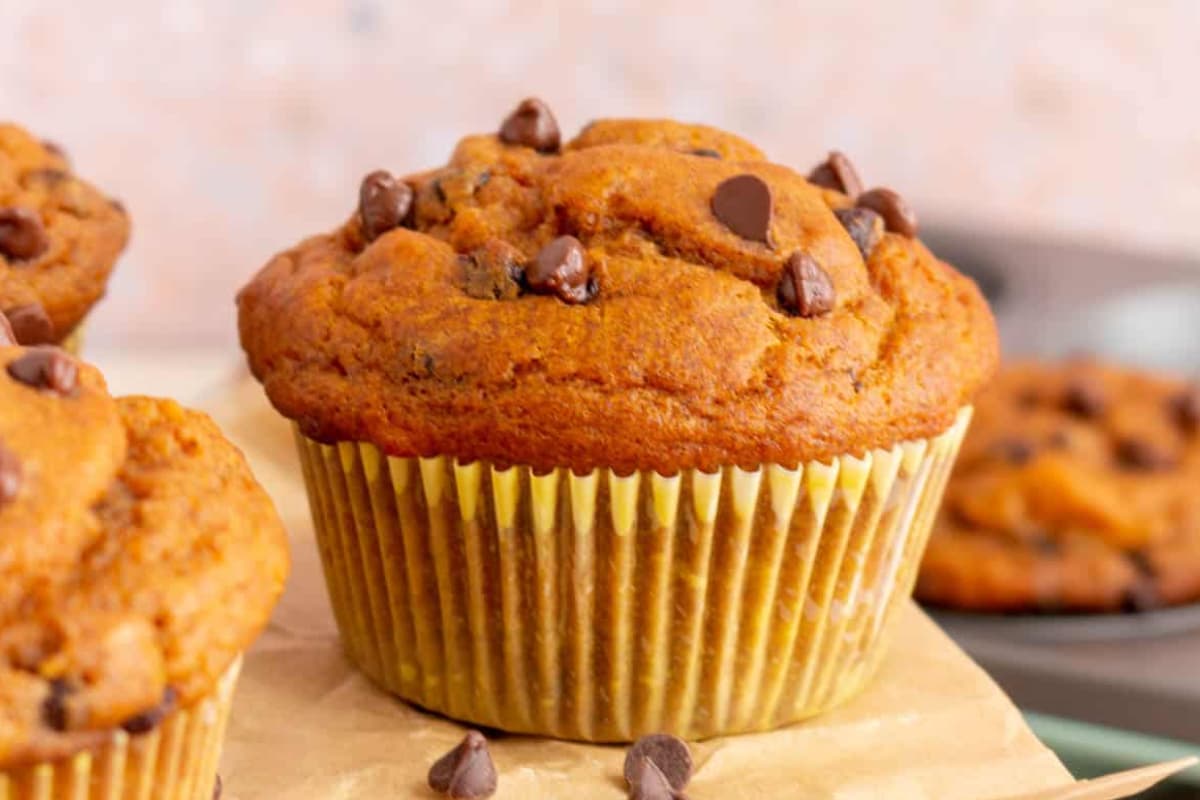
<point x="601" y="607"/>
<point x="175" y="761"/>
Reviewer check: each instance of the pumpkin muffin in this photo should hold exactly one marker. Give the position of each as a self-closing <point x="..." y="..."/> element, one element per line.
<point x="1075" y="492"/>
<point x="138" y="560"/>
<point x="595" y="431"/>
<point x="59" y="239"/>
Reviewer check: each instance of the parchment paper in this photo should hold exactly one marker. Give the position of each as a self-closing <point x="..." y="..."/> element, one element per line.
<point x="306" y="726"/>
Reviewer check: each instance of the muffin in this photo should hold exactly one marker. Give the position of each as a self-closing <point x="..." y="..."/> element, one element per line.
<point x="1075" y="492"/>
<point x="138" y="560"/>
<point x="595" y="434"/>
<point x="59" y="239"/>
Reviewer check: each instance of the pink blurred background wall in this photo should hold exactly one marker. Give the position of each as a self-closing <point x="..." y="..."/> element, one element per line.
<point x="232" y="128"/>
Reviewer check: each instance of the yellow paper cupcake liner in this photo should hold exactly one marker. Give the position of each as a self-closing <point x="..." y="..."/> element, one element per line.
<point x="602" y="607"/>
<point x="175" y="761"/>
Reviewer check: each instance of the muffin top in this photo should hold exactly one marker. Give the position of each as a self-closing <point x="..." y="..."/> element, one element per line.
<point x="59" y="239"/>
<point x="1075" y="491"/>
<point x="138" y="556"/>
<point x="652" y="295"/>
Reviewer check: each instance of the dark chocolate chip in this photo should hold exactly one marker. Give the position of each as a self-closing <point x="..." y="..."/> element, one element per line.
<point x="31" y="324"/>
<point x="383" y="203"/>
<point x="48" y="368"/>
<point x="118" y="206"/>
<point x="647" y="782"/>
<point x="1014" y="451"/>
<point x="218" y="788"/>
<point x="8" y="336"/>
<point x="897" y="214"/>
<point x="805" y="290"/>
<point x="54" y="707"/>
<point x="482" y="179"/>
<point x="668" y="753"/>
<point x="56" y="149"/>
<point x="706" y="152"/>
<point x="494" y="271"/>
<point x="11" y="475"/>
<point x="1142" y="594"/>
<point x="151" y="719"/>
<point x="864" y="226"/>
<point x="743" y="204"/>
<point x="22" y="234"/>
<point x="561" y="268"/>
<point x="532" y="125"/>
<point x="838" y="173"/>
<point x="1141" y="455"/>
<point x="1044" y="544"/>
<point x="467" y="771"/>
<point x="1184" y="409"/>
<point x="1084" y="399"/>
<point x="439" y="190"/>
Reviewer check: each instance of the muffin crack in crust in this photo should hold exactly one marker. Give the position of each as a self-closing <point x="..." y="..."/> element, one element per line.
<point x="138" y="557"/>
<point x="687" y="330"/>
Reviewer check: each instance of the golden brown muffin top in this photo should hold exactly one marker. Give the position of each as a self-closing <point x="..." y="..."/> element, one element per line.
<point x="1076" y="489"/>
<point x="652" y="295"/>
<point x="138" y="556"/>
<point x="59" y="239"/>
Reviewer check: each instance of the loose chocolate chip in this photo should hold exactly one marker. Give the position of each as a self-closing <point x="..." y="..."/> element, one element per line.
<point x="532" y="125"/>
<point x="1184" y="409"/>
<point x="149" y="720"/>
<point x="494" y="271"/>
<point x="467" y="771"/>
<point x="706" y="152"/>
<point x="897" y="215"/>
<point x="218" y="788"/>
<point x="1014" y="451"/>
<point x="22" y="234"/>
<point x="805" y="289"/>
<point x="31" y="324"/>
<point x="8" y="337"/>
<point x="48" y="368"/>
<point x="11" y="475"/>
<point x="54" y="706"/>
<point x="864" y="226"/>
<point x="838" y="173"/>
<point x="648" y="783"/>
<point x="561" y="268"/>
<point x="668" y="753"/>
<point x="1084" y="399"/>
<point x="743" y="204"/>
<point x="383" y="203"/>
<point x="1141" y="455"/>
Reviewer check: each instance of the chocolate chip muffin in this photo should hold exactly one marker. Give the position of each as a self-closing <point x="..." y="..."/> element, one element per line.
<point x="138" y="559"/>
<point x="595" y="431"/>
<point x="1075" y="492"/>
<point x="59" y="239"/>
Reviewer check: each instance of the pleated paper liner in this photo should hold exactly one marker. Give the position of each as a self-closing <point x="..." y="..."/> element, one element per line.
<point x="602" y="607"/>
<point x="175" y="761"/>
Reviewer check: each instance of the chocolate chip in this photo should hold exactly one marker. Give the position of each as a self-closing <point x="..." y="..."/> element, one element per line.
<point x="1044" y="544"/>
<point x="864" y="226"/>
<point x="31" y="324"/>
<point x="1141" y="455"/>
<point x="1184" y="409"/>
<point x="56" y="149"/>
<point x="11" y="475"/>
<point x="218" y="788"/>
<point x="532" y="125"/>
<point x="1084" y="399"/>
<point x="54" y="707"/>
<point x="494" y="271"/>
<point x="1028" y="398"/>
<point x="383" y="203"/>
<point x="467" y="771"/>
<point x="1059" y="440"/>
<point x="8" y="337"/>
<point x="48" y="368"/>
<point x="482" y="179"/>
<point x="1014" y="451"/>
<point x="838" y="173"/>
<point x="706" y="152"/>
<point x="561" y="268"/>
<point x="668" y="753"/>
<point x="897" y="215"/>
<point x="647" y="782"/>
<point x="1142" y="594"/>
<point x="149" y="720"/>
<point x="743" y="204"/>
<point x="805" y="289"/>
<point x="22" y="234"/>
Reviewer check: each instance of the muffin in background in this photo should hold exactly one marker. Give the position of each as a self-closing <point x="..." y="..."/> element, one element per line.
<point x="1076" y="491"/>
<point x="59" y="240"/>
<point x="638" y="433"/>
<point x="138" y="560"/>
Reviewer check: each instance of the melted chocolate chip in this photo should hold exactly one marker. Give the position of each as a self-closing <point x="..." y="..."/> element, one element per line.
<point x="494" y="271"/>
<point x="31" y="324"/>
<point x="1015" y="451"/>
<point x="11" y="475"/>
<point x="805" y="290"/>
<point x="864" y="226"/>
<point x="1084" y="399"/>
<point x="46" y="368"/>
<point x="8" y="336"/>
<point x="22" y="234"/>
<point x="532" y="125"/>
<point x="55" y="714"/>
<point x="149" y="720"/>
<point x="1141" y="455"/>
<point x="383" y="203"/>
<point x="561" y="268"/>
<point x="467" y="771"/>
<point x="897" y="214"/>
<point x="1184" y="409"/>
<point x="743" y="204"/>
<point x="668" y="753"/>
<point x="706" y="152"/>
<point x="838" y="173"/>
<point x="647" y="782"/>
